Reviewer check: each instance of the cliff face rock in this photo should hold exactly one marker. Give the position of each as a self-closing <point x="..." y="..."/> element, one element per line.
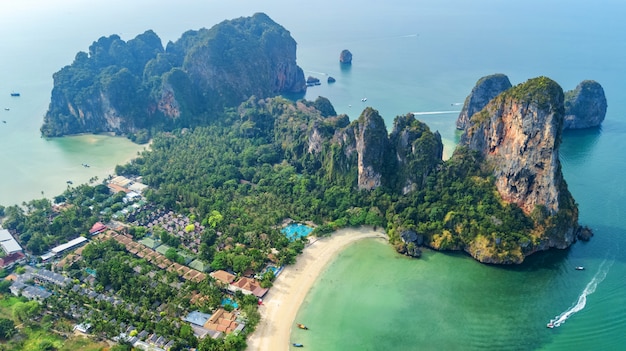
<point x="518" y="133"/>
<point x="486" y="88"/>
<point x="585" y="106"/>
<point x="372" y="147"/>
<point x="416" y="150"/>
<point x="123" y="86"/>
<point x="345" y="57"/>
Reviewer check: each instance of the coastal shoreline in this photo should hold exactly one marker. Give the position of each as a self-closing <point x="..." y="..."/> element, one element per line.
<point x="282" y="302"/>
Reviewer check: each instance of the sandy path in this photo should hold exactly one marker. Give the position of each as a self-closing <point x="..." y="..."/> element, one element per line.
<point x="282" y="302"/>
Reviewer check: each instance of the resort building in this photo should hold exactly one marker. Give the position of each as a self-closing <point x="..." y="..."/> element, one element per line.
<point x="248" y="286"/>
<point x="224" y="322"/>
<point x="8" y="243"/>
<point x="81" y="240"/>
<point x="120" y="182"/>
<point x="51" y="277"/>
<point x="10" y="260"/>
<point x="97" y="228"/>
<point x="29" y="292"/>
<point x="223" y="276"/>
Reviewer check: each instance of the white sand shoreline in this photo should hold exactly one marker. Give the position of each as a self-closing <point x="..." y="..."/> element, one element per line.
<point x="282" y="302"/>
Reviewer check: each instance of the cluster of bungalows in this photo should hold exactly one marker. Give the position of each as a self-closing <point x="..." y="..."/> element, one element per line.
<point x="214" y="325"/>
<point x="154" y="257"/>
<point x="11" y="249"/>
<point x="41" y="276"/>
<point x="145" y="341"/>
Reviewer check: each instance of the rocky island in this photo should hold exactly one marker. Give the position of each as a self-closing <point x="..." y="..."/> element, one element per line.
<point x="345" y="57"/>
<point x="138" y="87"/>
<point x="585" y="106"/>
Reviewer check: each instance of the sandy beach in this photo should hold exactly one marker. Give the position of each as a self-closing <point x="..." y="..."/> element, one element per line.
<point x="282" y="302"/>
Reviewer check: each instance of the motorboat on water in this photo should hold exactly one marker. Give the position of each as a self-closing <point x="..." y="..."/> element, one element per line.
<point x="295" y="344"/>
<point x="364" y="99"/>
<point x="579" y="268"/>
<point x="550" y="325"/>
<point x="302" y="326"/>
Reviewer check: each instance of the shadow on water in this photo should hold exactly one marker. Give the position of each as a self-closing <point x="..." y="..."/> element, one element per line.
<point x="579" y="143"/>
<point x="345" y="67"/>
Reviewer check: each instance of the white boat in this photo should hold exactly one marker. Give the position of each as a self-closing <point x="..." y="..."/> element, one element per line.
<point x="580" y="268"/>
<point x="364" y="99"/>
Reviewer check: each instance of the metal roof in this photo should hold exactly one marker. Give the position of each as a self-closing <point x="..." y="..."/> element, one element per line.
<point x="5" y="235"/>
<point x="69" y="244"/>
<point x="10" y="246"/>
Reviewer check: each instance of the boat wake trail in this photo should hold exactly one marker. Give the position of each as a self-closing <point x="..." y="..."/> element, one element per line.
<point x="434" y="113"/>
<point x="582" y="299"/>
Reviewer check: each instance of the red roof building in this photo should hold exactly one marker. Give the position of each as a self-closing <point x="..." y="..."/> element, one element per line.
<point x="11" y="259"/>
<point x="97" y="228"/>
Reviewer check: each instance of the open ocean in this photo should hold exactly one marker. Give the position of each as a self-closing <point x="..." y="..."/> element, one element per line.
<point x="409" y="56"/>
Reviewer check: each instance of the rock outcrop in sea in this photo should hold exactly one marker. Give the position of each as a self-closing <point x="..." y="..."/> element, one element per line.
<point x="486" y="88"/>
<point x="585" y="106"/>
<point x="518" y="133"/>
<point x="345" y="57"/>
<point x="138" y="86"/>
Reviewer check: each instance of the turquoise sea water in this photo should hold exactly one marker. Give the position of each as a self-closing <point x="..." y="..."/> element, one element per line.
<point x="409" y="56"/>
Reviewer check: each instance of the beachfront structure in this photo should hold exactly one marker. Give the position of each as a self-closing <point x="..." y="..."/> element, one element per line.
<point x="137" y="187"/>
<point x="8" y="243"/>
<point x="121" y="182"/>
<point x="248" y="286"/>
<point x="222" y="321"/>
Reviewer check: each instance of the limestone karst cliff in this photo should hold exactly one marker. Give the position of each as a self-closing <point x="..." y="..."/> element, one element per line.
<point x="518" y="133"/>
<point x="485" y="89"/>
<point x="585" y="106"/>
<point x="127" y="87"/>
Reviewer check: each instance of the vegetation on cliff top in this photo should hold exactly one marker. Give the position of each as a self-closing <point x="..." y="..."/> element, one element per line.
<point x="542" y="91"/>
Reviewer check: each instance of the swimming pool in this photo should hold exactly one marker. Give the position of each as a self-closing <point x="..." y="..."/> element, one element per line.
<point x="229" y="301"/>
<point x="296" y="230"/>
